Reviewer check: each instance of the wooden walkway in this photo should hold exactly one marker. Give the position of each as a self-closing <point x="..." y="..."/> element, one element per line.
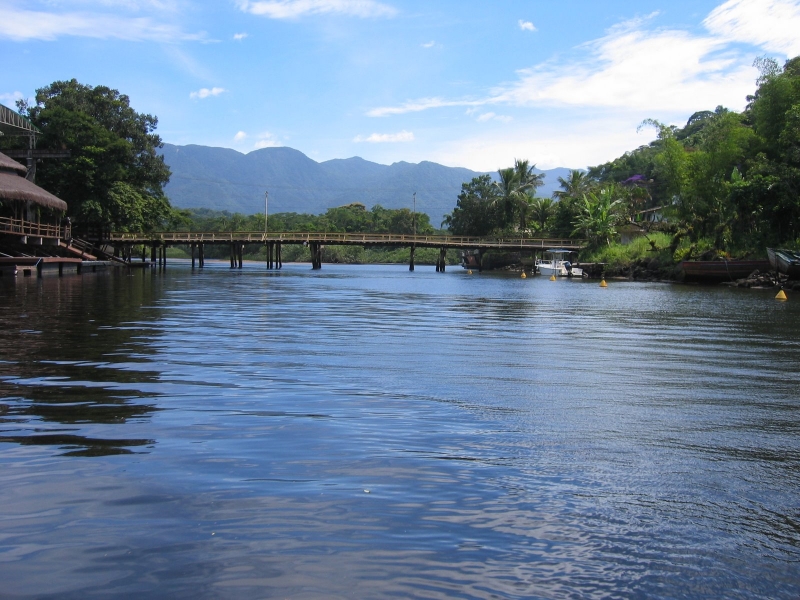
<point x="345" y="239"/>
<point x="315" y="241"/>
<point x="124" y="242"/>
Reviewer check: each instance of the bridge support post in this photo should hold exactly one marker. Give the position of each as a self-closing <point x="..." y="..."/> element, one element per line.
<point x="316" y="255"/>
<point x="440" y="263"/>
<point x="278" y="257"/>
<point x="411" y="263"/>
<point x="153" y="254"/>
<point x="194" y="247"/>
<point x="240" y="248"/>
<point x="233" y="255"/>
<point x="202" y="256"/>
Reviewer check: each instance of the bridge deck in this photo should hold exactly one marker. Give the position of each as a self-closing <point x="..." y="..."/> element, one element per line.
<point x="344" y="239"/>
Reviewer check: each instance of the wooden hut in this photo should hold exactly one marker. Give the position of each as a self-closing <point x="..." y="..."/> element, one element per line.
<point x="29" y="213"/>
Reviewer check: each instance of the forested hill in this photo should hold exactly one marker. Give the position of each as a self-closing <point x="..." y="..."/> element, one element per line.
<point x="224" y="179"/>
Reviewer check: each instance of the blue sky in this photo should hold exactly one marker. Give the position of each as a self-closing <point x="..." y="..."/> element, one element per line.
<point x="472" y="84"/>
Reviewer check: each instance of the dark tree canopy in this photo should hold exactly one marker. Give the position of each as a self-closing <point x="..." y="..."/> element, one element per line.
<point x="479" y="209"/>
<point x="114" y="178"/>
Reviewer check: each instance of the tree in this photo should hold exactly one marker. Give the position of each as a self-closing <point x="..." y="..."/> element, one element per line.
<point x="517" y="186"/>
<point x="599" y="215"/>
<point x="575" y="185"/>
<point x="540" y="212"/>
<point x="114" y="178"/>
<point x="477" y="210"/>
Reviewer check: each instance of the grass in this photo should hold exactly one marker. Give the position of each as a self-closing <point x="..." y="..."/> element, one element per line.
<point x="640" y="250"/>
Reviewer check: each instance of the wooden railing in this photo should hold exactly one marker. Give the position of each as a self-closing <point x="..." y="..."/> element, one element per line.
<point x="360" y="239"/>
<point x="21" y="227"/>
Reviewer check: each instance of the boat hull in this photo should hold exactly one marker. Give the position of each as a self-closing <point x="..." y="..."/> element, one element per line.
<point x="785" y="261"/>
<point x="721" y="270"/>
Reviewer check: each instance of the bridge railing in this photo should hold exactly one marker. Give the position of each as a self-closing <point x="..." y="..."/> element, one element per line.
<point x="385" y="239"/>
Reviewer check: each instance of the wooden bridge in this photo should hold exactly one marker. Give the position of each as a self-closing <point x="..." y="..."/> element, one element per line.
<point x="315" y="241"/>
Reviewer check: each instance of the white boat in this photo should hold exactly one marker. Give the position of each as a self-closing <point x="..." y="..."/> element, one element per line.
<point x="555" y="263"/>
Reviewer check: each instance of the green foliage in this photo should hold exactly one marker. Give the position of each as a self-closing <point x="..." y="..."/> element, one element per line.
<point x="478" y="211"/>
<point x="599" y="215"/>
<point x="114" y="178"/>
<point x="654" y="245"/>
<point x="727" y="180"/>
<point x="487" y="207"/>
<point x="352" y="218"/>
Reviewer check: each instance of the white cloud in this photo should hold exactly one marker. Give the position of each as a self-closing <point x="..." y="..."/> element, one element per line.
<point x="526" y="25"/>
<point x="10" y="98"/>
<point x="378" y="138"/>
<point x="490" y="116"/>
<point x="20" y="24"/>
<point x="291" y="9"/>
<point x="239" y="36"/>
<point x="576" y="142"/>
<point x="240" y="136"/>
<point x="420" y="105"/>
<point x="207" y="93"/>
<point x="634" y="66"/>
<point x="770" y="24"/>
<point x="266" y="140"/>
<point x="430" y="44"/>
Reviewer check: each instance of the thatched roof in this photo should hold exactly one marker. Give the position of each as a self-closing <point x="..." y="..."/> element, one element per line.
<point x="7" y="163"/>
<point x="13" y="186"/>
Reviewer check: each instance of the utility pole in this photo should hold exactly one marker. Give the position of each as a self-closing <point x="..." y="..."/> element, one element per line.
<point x="414" y="215"/>
<point x="266" y="212"/>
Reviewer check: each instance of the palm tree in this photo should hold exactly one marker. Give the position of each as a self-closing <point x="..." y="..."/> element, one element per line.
<point x="540" y="211"/>
<point x="516" y="186"/>
<point x="576" y="185"/>
<point x="527" y="179"/>
<point x="508" y="186"/>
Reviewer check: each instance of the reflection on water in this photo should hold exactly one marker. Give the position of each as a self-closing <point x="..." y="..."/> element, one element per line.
<point x="370" y="432"/>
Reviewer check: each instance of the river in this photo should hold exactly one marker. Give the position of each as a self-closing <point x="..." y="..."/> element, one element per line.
<point x="367" y="432"/>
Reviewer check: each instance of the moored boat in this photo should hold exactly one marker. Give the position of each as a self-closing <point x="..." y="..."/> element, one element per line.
<point x="721" y="270"/>
<point x="785" y="261"/>
<point x="556" y="264"/>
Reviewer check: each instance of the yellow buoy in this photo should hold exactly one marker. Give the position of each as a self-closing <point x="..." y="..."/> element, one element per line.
<point x="552" y="277"/>
<point x="523" y="275"/>
<point x="603" y="283"/>
<point x="781" y="296"/>
<point x="469" y="272"/>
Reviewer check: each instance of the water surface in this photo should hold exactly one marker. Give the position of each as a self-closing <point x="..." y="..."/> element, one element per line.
<point x="366" y="432"/>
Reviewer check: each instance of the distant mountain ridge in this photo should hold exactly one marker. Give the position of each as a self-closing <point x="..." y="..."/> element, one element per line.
<point x="225" y="179"/>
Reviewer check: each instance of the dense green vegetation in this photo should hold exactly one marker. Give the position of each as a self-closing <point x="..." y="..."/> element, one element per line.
<point x="114" y="178"/>
<point x="726" y="183"/>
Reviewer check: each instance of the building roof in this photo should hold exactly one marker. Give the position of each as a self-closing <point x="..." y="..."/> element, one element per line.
<point x="9" y="164"/>
<point x="14" y="186"/>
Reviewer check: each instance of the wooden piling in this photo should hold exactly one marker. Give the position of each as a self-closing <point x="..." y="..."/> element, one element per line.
<point x="194" y="247"/>
<point x="316" y="255"/>
<point x="233" y="255"/>
<point x="278" y="257"/>
<point x="441" y="262"/>
<point x="202" y="256"/>
<point x="411" y="263"/>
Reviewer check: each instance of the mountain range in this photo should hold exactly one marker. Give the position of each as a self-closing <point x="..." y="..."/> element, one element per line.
<point x="225" y="179"/>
